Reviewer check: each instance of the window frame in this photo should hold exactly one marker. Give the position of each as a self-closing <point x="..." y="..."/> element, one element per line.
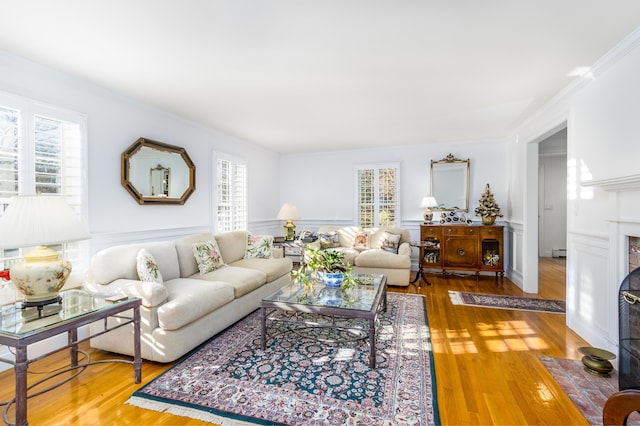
<point x="235" y="162"/>
<point x="377" y="167"/>
<point x="28" y="110"/>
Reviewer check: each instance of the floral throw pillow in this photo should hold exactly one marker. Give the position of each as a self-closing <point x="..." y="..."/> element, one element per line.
<point x="361" y="241"/>
<point x="208" y="256"/>
<point x="259" y="246"/>
<point x="147" y="267"/>
<point x="390" y="242"/>
<point x="329" y="240"/>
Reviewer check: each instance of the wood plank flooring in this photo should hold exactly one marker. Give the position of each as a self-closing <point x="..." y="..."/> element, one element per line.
<point x="486" y="361"/>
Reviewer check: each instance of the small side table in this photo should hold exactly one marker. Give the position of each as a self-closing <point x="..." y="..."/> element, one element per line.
<point x="21" y="327"/>
<point x="420" y="273"/>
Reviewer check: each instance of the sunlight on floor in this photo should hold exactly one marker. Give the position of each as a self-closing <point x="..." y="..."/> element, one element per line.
<point x="501" y="336"/>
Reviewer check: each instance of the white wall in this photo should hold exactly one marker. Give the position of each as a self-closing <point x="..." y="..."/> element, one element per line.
<point x="601" y="116"/>
<point x="322" y="184"/>
<point x="114" y="123"/>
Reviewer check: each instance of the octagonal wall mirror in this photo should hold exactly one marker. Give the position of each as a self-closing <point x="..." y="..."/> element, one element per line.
<point x="158" y="173"/>
<point x="450" y="183"/>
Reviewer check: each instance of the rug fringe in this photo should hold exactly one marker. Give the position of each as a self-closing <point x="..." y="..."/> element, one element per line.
<point x="455" y="297"/>
<point x="185" y="412"/>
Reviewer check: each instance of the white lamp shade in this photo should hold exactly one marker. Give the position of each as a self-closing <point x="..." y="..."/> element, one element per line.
<point x="288" y="212"/>
<point x="33" y="220"/>
<point x="428" y="202"/>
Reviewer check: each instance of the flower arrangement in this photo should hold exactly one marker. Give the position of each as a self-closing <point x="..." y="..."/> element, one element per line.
<point x="488" y="208"/>
<point x="323" y="261"/>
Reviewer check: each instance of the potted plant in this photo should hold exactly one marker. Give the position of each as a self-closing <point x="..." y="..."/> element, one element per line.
<point x="326" y="265"/>
<point x="488" y="209"/>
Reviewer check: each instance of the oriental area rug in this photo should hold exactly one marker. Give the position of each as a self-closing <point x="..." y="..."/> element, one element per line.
<point x="588" y="392"/>
<point x="299" y="380"/>
<point x="507" y="302"/>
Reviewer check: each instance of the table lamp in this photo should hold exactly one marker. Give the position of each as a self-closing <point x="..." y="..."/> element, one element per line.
<point x="427" y="203"/>
<point x="289" y="212"/>
<point x="40" y="220"/>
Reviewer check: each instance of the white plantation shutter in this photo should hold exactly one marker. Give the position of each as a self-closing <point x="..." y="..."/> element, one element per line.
<point x="42" y="150"/>
<point x="377" y="195"/>
<point x="231" y="184"/>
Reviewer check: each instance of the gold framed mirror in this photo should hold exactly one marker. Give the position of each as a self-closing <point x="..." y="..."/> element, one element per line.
<point x="450" y="183"/>
<point x="157" y="173"/>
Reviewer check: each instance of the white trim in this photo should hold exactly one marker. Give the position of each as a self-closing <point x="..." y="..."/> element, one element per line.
<point x="622" y="183"/>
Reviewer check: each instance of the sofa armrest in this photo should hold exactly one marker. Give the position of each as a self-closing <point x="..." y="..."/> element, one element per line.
<point x="152" y="294"/>
<point x="405" y="249"/>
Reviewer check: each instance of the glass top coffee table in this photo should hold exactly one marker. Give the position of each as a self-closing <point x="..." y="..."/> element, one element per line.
<point x="363" y="300"/>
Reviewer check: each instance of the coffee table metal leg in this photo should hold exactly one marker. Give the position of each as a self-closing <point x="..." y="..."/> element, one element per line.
<point x="372" y="343"/>
<point x="264" y="328"/>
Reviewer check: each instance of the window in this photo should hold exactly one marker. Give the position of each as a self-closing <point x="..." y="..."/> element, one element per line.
<point x="377" y="189"/>
<point x="231" y="184"/>
<point x="42" y="150"/>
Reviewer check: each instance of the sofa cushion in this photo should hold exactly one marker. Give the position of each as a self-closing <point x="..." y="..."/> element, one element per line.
<point x="191" y="299"/>
<point x="377" y="258"/>
<point x="147" y="267"/>
<point x="184" y="248"/>
<point x="258" y="246"/>
<point x="361" y="240"/>
<point x="390" y="242"/>
<point x="243" y="280"/>
<point x="274" y="268"/>
<point x="207" y="256"/>
<point x="328" y="239"/>
<point x="117" y="262"/>
<point x="232" y="245"/>
<point x="378" y="235"/>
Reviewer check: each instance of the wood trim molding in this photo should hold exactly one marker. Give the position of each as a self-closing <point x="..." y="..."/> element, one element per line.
<point x="623" y="183"/>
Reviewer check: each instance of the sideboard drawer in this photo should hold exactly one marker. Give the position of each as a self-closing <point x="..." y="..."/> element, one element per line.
<point x="491" y="232"/>
<point x="459" y="230"/>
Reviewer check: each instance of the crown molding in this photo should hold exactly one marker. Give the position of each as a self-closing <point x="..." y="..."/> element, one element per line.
<point x="624" y="183"/>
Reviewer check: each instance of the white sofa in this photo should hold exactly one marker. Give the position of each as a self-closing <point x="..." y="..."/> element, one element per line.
<point x="373" y="260"/>
<point x="187" y="308"/>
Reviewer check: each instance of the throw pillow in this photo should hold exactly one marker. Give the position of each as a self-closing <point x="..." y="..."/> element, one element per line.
<point x="147" y="267"/>
<point x="390" y="242"/>
<point x="208" y="256"/>
<point x="329" y="239"/>
<point x="361" y="240"/>
<point x="259" y="246"/>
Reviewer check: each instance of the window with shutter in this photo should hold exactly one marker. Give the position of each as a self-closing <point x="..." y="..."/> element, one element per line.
<point x="42" y="150"/>
<point x="231" y="184"/>
<point x="377" y="195"/>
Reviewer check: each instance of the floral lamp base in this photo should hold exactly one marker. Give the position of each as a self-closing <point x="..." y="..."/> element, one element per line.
<point x="41" y="276"/>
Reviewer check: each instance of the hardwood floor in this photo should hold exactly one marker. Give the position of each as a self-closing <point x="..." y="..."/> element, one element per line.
<point x="486" y="361"/>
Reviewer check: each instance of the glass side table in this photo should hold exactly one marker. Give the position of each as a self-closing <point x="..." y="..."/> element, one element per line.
<point x="22" y="326"/>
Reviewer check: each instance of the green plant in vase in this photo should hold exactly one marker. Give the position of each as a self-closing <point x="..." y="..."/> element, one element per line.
<point x="488" y="209"/>
<point x="319" y="263"/>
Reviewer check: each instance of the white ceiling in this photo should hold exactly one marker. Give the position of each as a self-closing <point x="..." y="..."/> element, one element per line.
<point x="304" y="75"/>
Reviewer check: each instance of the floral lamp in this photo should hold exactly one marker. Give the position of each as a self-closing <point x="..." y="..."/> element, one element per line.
<point x="40" y="220"/>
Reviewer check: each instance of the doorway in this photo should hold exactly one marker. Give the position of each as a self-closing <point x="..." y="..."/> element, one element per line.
<point x="552" y="211"/>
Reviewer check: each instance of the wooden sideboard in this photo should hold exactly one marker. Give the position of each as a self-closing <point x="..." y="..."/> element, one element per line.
<point x="478" y="248"/>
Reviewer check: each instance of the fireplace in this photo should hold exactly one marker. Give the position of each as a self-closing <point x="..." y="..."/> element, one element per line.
<point x="629" y="330"/>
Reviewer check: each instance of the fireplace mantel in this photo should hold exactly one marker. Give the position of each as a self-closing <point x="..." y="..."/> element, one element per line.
<point x="624" y="183"/>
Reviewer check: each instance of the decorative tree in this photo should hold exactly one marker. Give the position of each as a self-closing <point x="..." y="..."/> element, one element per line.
<point x="488" y="208"/>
